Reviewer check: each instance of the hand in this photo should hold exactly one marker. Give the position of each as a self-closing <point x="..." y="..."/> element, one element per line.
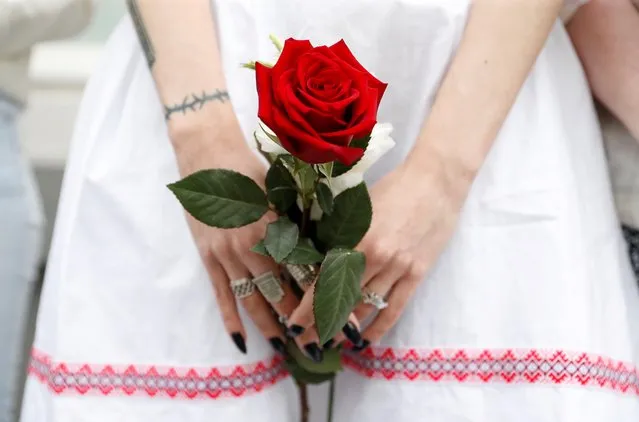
<point x="226" y="252"/>
<point x="414" y="215"/>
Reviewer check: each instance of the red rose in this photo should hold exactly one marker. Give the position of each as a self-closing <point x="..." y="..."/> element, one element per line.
<point x="317" y="100"/>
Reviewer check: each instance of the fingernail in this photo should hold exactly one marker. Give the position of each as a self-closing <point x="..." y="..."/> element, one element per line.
<point x="329" y="344"/>
<point x="294" y="330"/>
<point x="278" y="345"/>
<point x="238" y="339"/>
<point x="364" y="344"/>
<point x="314" y="352"/>
<point x="352" y="333"/>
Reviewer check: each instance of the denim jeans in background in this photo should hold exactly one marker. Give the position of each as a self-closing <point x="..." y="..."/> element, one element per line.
<point x="21" y="224"/>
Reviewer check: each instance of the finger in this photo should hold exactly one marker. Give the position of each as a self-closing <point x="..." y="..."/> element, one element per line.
<point x="256" y="306"/>
<point x="259" y="265"/>
<point x="226" y="302"/>
<point x="388" y="317"/>
<point x="303" y="319"/>
<point x="308" y="341"/>
<point x="300" y="327"/>
<point x="382" y="283"/>
<point x="378" y="255"/>
<point x="352" y="328"/>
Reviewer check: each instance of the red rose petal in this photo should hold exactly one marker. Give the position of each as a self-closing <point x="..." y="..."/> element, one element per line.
<point x="312" y="149"/>
<point x="329" y="106"/>
<point x="291" y="52"/>
<point x="264" y="93"/>
<point x="342" y="51"/>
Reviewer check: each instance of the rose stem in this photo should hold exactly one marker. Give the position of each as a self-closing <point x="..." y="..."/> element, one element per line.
<point x="305" y="409"/>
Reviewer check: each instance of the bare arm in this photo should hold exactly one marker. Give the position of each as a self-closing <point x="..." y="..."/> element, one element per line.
<point x="499" y="47"/>
<point x="180" y="46"/>
<point x="606" y="36"/>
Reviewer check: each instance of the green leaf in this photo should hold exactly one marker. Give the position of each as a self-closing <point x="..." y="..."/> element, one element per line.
<point x="329" y="365"/>
<point x="276" y="42"/>
<point x="325" y="198"/>
<point x="281" y="238"/>
<point x="221" y="198"/>
<point x="326" y="169"/>
<point x="307" y="177"/>
<point x="339" y="168"/>
<point x="269" y="157"/>
<point x="305" y="377"/>
<point x="350" y="219"/>
<point x="270" y="136"/>
<point x="289" y="161"/>
<point x="248" y="65"/>
<point x="259" y="248"/>
<point x="337" y="291"/>
<point x="281" y="190"/>
<point x="304" y="253"/>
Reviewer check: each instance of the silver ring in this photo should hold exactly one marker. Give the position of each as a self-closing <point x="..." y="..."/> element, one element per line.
<point x="304" y="275"/>
<point x="270" y="287"/>
<point x="242" y="287"/>
<point x="371" y="298"/>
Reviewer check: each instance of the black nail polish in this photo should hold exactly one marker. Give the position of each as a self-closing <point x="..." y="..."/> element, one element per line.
<point x="294" y="330"/>
<point x="329" y="344"/>
<point x="314" y="352"/>
<point x="278" y="345"/>
<point x="362" y="346"/>
<point x="238" y="339"/>
<point x="352" y="333"/>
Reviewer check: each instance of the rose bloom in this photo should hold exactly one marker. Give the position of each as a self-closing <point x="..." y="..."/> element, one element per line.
<point x="317" y="100"/>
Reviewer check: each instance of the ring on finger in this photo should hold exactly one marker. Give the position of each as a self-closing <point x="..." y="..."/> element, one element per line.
<point x="242" y="287"/>
<point x="375" y="299"/>
<point x="270" y="287"/>
<point x="304" y="275"/>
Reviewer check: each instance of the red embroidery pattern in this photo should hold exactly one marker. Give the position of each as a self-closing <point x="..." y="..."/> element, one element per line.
<point x="508" y="366"/>
<point x="189" y="383"/>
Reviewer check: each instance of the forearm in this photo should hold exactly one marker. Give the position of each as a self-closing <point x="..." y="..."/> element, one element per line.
<point x="606" y="36"/>
<point x="181" y="48"/>
<point x="499" y="46"/>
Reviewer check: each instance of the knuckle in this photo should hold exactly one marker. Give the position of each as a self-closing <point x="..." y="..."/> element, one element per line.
<point x="383" y="252"/>
<point x="220" y="247"/>
<point x="403" y="261"/>
<point x="417" y="270"/>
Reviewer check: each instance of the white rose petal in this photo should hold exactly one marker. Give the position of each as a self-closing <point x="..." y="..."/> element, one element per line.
<point x="380" y="143"/>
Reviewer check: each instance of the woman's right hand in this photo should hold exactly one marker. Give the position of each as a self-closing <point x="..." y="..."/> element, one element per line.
<point x="226" y="253"/>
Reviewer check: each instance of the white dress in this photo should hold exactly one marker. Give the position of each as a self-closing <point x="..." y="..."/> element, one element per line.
<point x="530" y="315"/>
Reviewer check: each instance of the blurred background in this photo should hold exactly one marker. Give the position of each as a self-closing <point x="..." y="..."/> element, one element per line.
<point x="58" y="73"/>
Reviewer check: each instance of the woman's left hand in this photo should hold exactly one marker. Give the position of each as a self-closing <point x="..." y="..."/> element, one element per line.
<point x="414" y="214"/>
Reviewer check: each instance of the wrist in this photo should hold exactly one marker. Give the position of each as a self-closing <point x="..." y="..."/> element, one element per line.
<point x="453" y="176"/>
<point x="207" y="144"/>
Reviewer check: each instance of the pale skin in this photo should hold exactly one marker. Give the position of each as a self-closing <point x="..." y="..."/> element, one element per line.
<point x="498" y="49"/>
<point x="606" y="36"/>
<point x="208" y="136"/>
<point x="499" y="46"/>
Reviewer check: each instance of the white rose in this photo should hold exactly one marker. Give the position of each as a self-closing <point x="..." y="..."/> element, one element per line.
<point x="380" y="143"/>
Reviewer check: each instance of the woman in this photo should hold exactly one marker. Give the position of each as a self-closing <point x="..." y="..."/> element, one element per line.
<point x="23" y="23"/>
<point x="494" y="234"/>
<point x="606" y="36"/>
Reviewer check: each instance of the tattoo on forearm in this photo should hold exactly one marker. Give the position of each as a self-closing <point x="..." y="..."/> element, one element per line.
<point x="143" y="35"/>
<point x="195" y="102"/>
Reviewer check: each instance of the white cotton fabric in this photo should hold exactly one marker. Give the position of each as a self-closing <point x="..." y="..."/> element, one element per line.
<point x="537" y="261"/>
